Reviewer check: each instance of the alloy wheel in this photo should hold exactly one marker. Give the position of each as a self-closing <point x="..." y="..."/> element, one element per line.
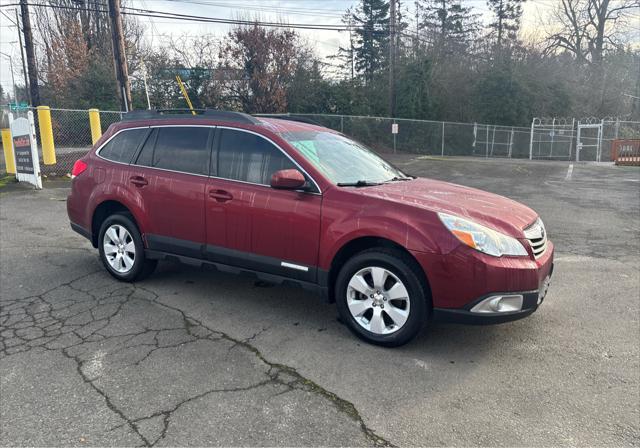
<point x="119" y="248"/>
<point x="378" y="300"/>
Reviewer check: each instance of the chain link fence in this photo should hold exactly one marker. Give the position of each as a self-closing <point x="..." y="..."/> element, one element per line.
<point x="435" y="138"/>
<point x="545" y="139"/>
<point x="551" y="140"/>
<point x="71" y="134"/>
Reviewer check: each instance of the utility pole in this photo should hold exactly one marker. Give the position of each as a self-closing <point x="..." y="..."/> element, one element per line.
<point x="13" y="81"/>
<point x="416" y="41"/>
<point x="24" y="67"/>
<point x="392" y="59"/>
<point x="352" y="61"/>
<point x="34" y="92"/>
<point x="119" y="56"/>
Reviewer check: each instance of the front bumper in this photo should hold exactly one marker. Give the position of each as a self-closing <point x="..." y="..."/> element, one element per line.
<point x="464" y="277"/>
<point x="531" y="300"/>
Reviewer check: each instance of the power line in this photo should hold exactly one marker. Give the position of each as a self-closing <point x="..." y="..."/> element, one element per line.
<point x="10" y="19"/>
<point x="138" y="12"/>
<point x="149" y="13"/>
<point x="263" y="8"/>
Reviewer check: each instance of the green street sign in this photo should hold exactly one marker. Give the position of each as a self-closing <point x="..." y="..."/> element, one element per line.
<point x="18" y="106"/>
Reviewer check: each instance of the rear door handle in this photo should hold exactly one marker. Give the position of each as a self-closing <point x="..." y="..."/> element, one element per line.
<point x="138" y="181"/>
<point x="220" y="195"/>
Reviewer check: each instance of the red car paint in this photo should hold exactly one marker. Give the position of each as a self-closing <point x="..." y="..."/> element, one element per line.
<point x="310" y="229"/>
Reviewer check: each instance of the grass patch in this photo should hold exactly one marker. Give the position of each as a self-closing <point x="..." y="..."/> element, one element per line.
<point x="7" y="179"/>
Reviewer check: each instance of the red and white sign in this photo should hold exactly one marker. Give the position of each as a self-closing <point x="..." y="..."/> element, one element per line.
<point x="26" y="152"/>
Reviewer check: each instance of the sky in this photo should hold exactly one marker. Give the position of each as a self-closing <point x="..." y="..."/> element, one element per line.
<point x="325" y="42"/>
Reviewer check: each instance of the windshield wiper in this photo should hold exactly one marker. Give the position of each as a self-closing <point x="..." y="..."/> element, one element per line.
<point x="359" y="183"/>
<point x="399" y="178"/>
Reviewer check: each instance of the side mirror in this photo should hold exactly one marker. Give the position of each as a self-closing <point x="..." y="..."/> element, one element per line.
<point x="288" y="180"/>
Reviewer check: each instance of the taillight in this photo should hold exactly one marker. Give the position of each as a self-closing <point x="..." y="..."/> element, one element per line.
<point x="78" y="168"/>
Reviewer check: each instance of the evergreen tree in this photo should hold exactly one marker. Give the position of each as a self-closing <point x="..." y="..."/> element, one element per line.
<point x="450" y="25"/>
<point x="371" y="20"/>
<point x="506" y="23"/>
<point x="346" y="55"/>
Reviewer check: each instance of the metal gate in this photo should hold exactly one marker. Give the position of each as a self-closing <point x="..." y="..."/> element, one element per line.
<point x="589" y="142"/>
<point x="551" y="138"/>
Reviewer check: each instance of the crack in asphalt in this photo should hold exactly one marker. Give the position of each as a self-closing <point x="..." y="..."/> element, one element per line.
<point x="69" y="318"/>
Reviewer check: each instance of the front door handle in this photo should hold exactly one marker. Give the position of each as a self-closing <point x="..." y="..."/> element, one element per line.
<point x="220" y="195"/>
<point x="138" y="181"/>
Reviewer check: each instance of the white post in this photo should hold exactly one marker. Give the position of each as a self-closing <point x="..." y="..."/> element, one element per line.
<point x="146" y="91"/>
<point x="599" y="152"/>
<point x="573" y="125"/>
<point x="124" y="95"/>
<point x="578" y="144"/>
<point x="493" y="139"/>
<point x="442" y="139"/>
<point x="511" y="142"/>
<point x="475" y="137"/>
<point x="553" y="134"/>
<point x="486" y="140"/>
<point x="531" y="139"/>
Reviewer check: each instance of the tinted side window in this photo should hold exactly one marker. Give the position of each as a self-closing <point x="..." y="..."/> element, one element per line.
<point x="183" y="149"/>
<point x="122" y="147"/>
<point x="248" y="157"/>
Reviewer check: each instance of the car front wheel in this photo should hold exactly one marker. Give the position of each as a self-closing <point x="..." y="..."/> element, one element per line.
<point x="381" y="298"/>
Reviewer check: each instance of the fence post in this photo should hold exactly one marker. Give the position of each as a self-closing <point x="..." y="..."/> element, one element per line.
<point x="493" y="139"/>
<point x="599" y="148"/>
<point x="573" y="125"/>
<point x="511" y="142"/>
<point x="46" y="135"/>
<point x="442" y="139"/>
<point x="7" y="145"/>
<point x="342" y="124"/>
<point x="94" y="122"/>
<point x="533" y="122"/>
<point x="394" y="137"/>
<point x="486" y="140"/>
<point x="475" y="138"/>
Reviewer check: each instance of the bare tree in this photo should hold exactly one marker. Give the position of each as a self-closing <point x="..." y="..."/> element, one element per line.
<point x="266" y="59"/>
<point x="589" y="28"/>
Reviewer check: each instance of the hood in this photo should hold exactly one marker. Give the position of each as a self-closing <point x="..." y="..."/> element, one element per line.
<point x="491" y="210"/>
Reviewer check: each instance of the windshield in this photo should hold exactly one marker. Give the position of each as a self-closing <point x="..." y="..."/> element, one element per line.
<point x="342" y="160"/>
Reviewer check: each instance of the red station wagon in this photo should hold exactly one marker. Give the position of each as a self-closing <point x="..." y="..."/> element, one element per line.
<point x="292" y="202"/>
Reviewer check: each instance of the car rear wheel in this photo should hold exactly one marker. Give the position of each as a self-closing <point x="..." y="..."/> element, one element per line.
<point x="121" y="249"/>
<point x="380" y="297"/>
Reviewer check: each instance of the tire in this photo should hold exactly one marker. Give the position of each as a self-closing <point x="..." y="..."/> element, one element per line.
<point x="132" y="264"/>
<point x="401" y="320"/>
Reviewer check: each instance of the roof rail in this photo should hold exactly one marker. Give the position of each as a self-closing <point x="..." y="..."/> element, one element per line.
<point x="222" y="115"/>
<point x="289" y="117"/>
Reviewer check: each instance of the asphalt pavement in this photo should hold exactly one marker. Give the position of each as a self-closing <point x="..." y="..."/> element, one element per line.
<point x="196" y="357"/>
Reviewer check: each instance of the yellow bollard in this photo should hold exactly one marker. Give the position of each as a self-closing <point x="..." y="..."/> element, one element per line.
<point x="46" y="135"/>
<point x="7" y="145"/>
<point x="96" y="128"/>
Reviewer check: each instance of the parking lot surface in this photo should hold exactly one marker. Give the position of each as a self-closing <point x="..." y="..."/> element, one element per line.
<point x="196" y="357"/>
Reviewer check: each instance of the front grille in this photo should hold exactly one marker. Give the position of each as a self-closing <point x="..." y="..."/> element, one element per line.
<point x="537" y="236"/>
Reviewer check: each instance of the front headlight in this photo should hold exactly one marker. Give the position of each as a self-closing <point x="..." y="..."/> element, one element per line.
<point x="482" y="238"/>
